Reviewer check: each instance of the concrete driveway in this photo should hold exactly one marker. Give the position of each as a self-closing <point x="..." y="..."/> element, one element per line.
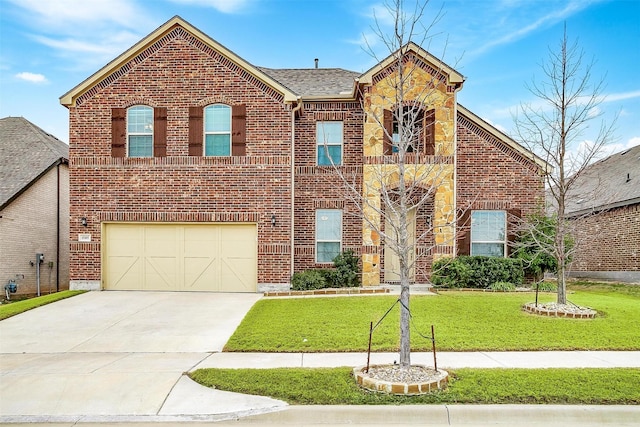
<point x="118" y="355"/>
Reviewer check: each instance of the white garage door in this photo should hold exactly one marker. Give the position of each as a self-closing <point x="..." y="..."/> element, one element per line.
<point x="180" y="257"/>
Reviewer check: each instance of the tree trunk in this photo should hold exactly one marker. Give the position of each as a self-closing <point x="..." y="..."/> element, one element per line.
<point x="405" y="340"/>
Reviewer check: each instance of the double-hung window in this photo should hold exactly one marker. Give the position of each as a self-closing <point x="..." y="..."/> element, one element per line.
<point x="217" y="130"/>
<point x="329" y="137"/>
<point x="140" y="131"/>
<point x="488" y="233"/>
<point x="328" y="234"/>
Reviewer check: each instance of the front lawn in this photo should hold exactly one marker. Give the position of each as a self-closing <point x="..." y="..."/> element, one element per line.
<point x="336" y="386"/>
<point x="16" y="307"/>
<point x="464" y="321"/>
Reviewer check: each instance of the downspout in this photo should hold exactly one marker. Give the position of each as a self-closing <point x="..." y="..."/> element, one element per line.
<point x="293" y="184"/>
<point x="455" y="171"/>
<point x="58" y="229"/>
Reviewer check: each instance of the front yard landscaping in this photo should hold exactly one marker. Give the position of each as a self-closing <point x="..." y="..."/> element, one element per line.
<point x="335" y="386"/>
<point x="464" y="321"/>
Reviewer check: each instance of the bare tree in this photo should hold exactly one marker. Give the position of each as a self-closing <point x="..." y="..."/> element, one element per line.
<point x="396" y="196"/>
<point x="555" y="128"/>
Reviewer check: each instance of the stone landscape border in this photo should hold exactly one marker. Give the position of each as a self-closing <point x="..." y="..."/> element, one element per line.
<point x="582" y="313"/>
<point x="328" y="291"/>
<point x="440" y="382"/>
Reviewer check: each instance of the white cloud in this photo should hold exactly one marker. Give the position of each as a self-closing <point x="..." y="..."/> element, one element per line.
<point x="613" y="97"/>
<point x="549" y="18"/>
<point x="31" y="77"/>
<point x="73" y="14"/>
<point x="224" y="6"/>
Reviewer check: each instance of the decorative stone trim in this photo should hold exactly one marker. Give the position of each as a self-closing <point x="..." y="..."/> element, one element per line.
<point x="331" y="291"/>
<point x="406" y="389"/>
<point x="583" y="313"/>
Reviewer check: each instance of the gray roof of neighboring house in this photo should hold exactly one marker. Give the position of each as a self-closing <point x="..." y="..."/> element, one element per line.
<point x="608" y="183"/>
<point x="26" y="152"/>
<point x="314" y="81"/>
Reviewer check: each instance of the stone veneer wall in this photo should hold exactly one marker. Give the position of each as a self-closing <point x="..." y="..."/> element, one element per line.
<point x="434" y="171"/>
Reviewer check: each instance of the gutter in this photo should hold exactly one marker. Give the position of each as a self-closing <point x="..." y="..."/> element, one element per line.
<point x="294" y="110"/>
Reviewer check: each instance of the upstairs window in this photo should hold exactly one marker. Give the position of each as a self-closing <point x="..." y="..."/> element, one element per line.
<point x="217" y="130"/>
<point x="329" y="143"/>
<point x="328" y="234"/>
<point x="140" y="131"/>
<point x="489" y="233"/>
<point x="417" y="130"/>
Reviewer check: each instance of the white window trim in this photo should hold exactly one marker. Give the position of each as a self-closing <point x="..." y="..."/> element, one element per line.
<point x="503" y="242"/>
<point x="139" y="133"/>
<point x="326" y="241"/>
<point x="205" y="133"/>
<point x="320" y="144"/>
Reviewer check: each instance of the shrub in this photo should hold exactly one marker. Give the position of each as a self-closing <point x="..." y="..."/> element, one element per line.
<point x="346" y="272"/>
<point x="476" y="272"/>
<point x="545" y="287"/>
<point x="502" y="286"/>
<point x="308" y="280"/>
<point x="449" y="273"/>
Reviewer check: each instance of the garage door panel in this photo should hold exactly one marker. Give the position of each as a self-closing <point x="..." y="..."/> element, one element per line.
<point x="200" y="274"/>
<point x="183" y="257"/>
<point x="124" y="271"/>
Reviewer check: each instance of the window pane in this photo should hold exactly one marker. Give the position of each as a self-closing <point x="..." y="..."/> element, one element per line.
<point x="328" y="225"/>
<point x="217" y="145"/>
<point x="329" y="132"/>
<point x="327" y="251"/>
<point x="334" y="151"/>
<point x="487" y="249"/>
<point x="217" y="118"/>
<point x="140" y="146"/>
<point x="140" y="119"/>
<point x="488" y="226"/>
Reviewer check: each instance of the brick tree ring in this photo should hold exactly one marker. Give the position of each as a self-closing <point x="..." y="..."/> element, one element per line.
<point x="553" y="309"/>
<point x="391" y="379"/>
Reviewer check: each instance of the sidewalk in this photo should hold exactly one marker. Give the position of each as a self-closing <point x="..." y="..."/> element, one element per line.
<point x="452" y="360"/>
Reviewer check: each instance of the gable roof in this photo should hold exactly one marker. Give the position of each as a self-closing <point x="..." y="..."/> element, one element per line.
<point x="26" y="153"/>
<point x="453" y="77"/>
<point x="608" y="183"/>
<point x="69" y="98"/>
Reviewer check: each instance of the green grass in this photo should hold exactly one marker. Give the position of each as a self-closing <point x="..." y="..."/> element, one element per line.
<point x="336" y="386"/>
<point x="463" y="321"/>
<point x="16" y="307"/>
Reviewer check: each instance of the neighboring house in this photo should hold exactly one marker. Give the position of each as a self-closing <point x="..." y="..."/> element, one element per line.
<point x="34" y="207"/>
<point x="197" y="171"/>
<point x="605" y="203"/>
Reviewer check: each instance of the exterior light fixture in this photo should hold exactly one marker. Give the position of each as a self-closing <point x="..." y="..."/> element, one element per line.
<point x="273" y="220"/>
<point x="83" y="221"/>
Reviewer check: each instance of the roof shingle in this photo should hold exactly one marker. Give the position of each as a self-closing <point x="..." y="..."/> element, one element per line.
<point x="25" y="152"/>
<point x="314" y="81"/>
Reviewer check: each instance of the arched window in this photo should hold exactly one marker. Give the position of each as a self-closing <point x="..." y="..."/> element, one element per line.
<point x="217" y="130"/>
<point x="140" y="131"/>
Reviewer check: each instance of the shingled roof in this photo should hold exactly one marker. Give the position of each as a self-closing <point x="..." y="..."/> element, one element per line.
<point x="314" y="81"/>
<point x="609" y="183"/>
<point x="26" y="153"/>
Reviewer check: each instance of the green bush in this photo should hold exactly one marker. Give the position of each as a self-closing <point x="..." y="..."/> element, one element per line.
<point x="346" y="273"/>
<point x="478" y="272"/>
<point x="545" y="287"/>
<point x="449" y="273"/>
<point x="502" y="286"/>
<point x="308" y="280"/>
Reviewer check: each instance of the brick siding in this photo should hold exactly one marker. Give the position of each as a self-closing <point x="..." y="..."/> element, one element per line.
<point x="609" y="241"/>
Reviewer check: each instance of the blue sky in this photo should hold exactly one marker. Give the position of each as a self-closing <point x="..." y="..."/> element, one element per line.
<point x="49" y="46"/>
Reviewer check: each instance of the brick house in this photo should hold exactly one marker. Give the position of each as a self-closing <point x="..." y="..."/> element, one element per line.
<point x="197" y="170"/>
<point x="605" y="203"/>
<point x="34" y="208"/>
